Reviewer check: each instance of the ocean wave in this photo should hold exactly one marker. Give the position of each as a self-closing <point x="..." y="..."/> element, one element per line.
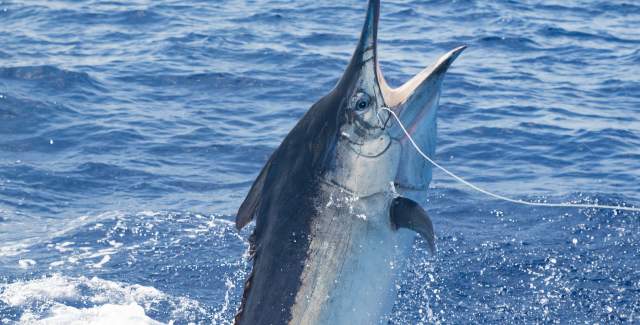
<point x="555" y="31"/>
<point x="514" y="43"/>
<point x="137" y="17"/>
<point x="94" y="245"/>
<point x="49" y="76"/>
<point x="59" y="299"/>
<point x="264" y="17"/>
<point x="322" y="39"/>
<point x="101" y="14"/>
<point x="211" y="80"/>
<point x="622" y="8"/>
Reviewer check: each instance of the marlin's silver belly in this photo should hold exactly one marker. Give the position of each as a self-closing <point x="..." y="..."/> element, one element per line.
<point x="349" y="275"/>
<point x="350" y="270"/>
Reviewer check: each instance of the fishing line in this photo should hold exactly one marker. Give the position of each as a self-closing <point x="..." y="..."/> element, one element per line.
<point x="498" y="196"/>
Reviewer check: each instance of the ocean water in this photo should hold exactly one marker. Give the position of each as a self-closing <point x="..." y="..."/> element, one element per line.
<point x="130" y="132"/>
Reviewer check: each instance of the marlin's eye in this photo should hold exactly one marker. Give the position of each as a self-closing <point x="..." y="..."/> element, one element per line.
<point x="362" y="104"/>
<point x="362" y="101"/>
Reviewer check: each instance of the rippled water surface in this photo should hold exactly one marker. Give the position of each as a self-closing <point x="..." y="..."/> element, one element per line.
<point x="131" y="131"/>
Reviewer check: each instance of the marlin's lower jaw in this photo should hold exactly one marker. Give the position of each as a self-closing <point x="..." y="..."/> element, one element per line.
<point x="415" y="102"/>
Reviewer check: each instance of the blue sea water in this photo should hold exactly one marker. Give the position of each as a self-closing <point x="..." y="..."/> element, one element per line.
<point x="130" y="132"/>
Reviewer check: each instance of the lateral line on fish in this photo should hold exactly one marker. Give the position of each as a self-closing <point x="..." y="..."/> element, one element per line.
<point x="498" y="196"/>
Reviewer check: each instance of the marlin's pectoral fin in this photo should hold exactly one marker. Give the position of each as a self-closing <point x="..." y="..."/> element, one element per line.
<point x="406" y="213"/>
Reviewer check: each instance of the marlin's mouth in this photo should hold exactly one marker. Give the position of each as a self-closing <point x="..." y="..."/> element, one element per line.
<point x="369" y="128"/>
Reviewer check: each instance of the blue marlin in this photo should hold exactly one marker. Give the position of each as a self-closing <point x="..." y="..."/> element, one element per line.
<point x="337" y="204"/>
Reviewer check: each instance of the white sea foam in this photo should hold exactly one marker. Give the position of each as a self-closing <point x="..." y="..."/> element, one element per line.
<point x="103" y="261"/>
<point x="26" y="263"/>
<point x="21" y="246"/>
<point x="60" y="299"/>
<point x="107" y="314"/>
<point x="14" y="249"/>
<point x="57" y="299"/>
<point x="21" y="293"/>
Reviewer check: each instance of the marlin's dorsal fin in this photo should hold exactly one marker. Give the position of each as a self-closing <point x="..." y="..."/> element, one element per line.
<point x="406" y="213"/>
<point x="247" y="210"/>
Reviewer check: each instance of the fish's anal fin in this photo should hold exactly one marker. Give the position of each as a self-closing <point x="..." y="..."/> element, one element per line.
<point x="406" y="213"/>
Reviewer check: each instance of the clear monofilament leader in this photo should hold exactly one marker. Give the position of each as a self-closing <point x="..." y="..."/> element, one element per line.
<point x="498" y="196"/>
